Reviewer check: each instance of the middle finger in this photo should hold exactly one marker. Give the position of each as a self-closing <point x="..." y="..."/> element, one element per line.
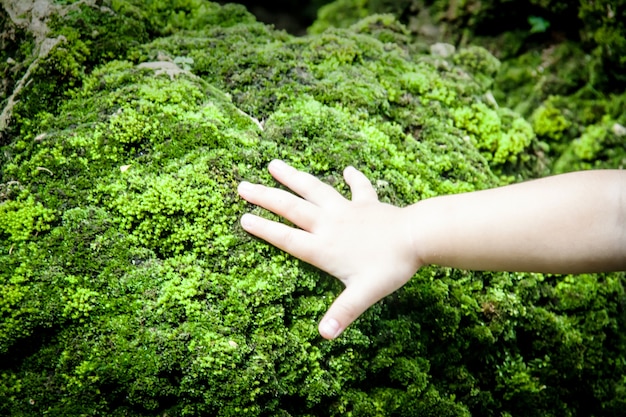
<point x="305" y="184"/>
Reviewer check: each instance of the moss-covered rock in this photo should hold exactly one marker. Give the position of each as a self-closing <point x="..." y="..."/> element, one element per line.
<point x="598" y="25"/>
<point x="571" y="53"/>
<point x="128" y="288"/>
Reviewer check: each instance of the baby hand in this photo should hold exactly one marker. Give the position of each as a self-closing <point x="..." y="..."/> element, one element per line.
<point x="364" y="243"/>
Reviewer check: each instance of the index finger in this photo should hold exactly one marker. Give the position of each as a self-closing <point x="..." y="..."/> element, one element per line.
<point x="306" y="185"/>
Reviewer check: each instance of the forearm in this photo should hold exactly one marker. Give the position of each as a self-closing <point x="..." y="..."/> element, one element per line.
<point x="569" y="223"/>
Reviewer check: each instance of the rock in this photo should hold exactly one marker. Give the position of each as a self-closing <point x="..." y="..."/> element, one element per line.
<point x="444" y="50"/>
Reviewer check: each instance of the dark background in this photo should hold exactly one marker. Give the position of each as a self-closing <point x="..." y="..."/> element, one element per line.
<point x="291" y="15"/>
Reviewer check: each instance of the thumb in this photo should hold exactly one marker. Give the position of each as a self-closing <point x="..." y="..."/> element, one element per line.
<point x="360" y="187"/>
<point x="350" y="304"/>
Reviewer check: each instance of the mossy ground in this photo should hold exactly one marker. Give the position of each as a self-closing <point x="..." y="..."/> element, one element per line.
<point x="128" y="288"/>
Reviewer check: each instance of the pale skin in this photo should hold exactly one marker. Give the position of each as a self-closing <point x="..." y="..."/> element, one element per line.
<point x="569" y="223"/>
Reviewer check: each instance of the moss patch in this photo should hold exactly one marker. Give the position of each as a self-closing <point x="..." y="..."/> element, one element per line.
<point x="128" y="288"/>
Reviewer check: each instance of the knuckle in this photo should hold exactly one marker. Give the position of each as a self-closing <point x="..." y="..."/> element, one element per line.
<point x="348" y="311"/>
<point x="289" y="238"/>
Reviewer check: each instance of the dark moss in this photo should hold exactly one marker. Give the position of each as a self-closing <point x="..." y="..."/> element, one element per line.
<point x="16" y="53"/>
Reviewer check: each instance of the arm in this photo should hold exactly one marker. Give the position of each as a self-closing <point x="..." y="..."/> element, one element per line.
<point x="563" y="224"/>
<point x="570" y="223"/>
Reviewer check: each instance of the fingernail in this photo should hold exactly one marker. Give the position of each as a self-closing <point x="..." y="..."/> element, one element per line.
<point x="244" y="187"/>
<point x="246" y="221"/>
<point x="277" y="166"/>
<point x="329" y="328"/>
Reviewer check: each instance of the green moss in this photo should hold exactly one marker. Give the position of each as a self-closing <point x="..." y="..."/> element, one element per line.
<point x="21" y="219"/>
<point x="550" y="123"/>
<point x="128" y="288"/>
<point x="503" y="134"/>
<point x="182" y="209"/>
<point x="535" y="68"/>
<point x="479" y="62"/>
<point x="525" y="81"/>
<point x="605" y="26"/>
<point x="582" y="131"/>
<point x="341" y="13"/>
<point x="78" y="301"/>
<point x="16" y="53"/>
<point x="384" y="27"/>
<point x="599" y="145"/>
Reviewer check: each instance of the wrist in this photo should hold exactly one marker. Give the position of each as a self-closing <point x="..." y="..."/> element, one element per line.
<point x="422" y="221"/>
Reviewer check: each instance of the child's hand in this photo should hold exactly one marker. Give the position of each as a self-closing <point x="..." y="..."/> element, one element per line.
<point x="569" y="223"/>
<point x="364" y="243"/>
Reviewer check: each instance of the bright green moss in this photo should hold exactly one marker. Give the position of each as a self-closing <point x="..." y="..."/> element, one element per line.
<point x="590" y="142"/>
<point x="340" y="66"/>
<point x="599" y="145"/>
<point x="503" y="134"/>
<point x="174" y="212"/>
<point x="78" y="301"/>
<point x="518" y="137"/>
<point x="549" y="122"/>
<point x="21" y="219"/>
